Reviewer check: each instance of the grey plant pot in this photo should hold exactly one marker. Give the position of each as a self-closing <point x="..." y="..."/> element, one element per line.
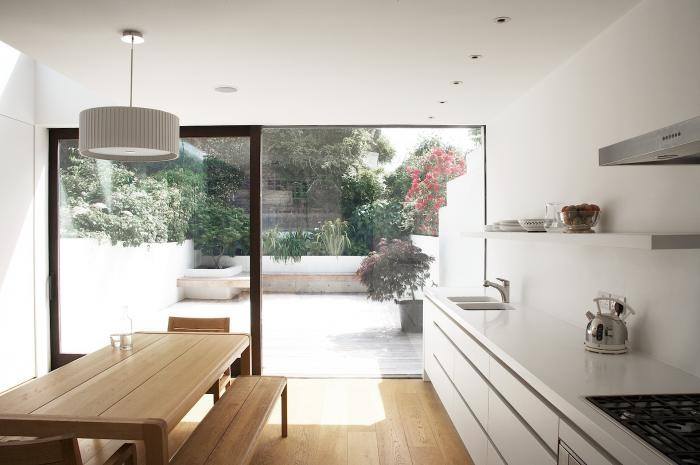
<point x="411" y="312"/>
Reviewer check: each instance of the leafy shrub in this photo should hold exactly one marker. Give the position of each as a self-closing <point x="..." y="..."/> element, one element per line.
<point x="359" y="187"/>
<point x="286" y="247"/>
<point x="397" y="269"/>
<point x="382" y="219"/>
<point x="220" y="229"/>
<point x="333" y="237"/>
<point x="107" y="201"/>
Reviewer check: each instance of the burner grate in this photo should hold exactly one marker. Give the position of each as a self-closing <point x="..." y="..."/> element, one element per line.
<point x="669" y="422"/>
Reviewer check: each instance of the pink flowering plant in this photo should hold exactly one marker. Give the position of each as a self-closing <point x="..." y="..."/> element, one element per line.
<point x="428" y="191"/>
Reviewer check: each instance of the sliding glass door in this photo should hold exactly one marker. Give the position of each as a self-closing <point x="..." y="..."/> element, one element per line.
<point x="135" y="243"/>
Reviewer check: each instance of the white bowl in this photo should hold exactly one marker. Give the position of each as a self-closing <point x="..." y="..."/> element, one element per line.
<point x="532" y="224"/>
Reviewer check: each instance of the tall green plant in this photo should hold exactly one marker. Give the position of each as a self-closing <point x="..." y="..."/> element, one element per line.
<point x="333" y="237"/>
<point x="286" y="247"/>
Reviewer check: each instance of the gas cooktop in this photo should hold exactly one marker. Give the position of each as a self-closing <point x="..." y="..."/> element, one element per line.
<point x="670" y="423"/>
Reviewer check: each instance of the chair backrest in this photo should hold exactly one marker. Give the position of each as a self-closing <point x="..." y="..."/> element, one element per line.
<point x="199" y="325"/>
<point x="57" y="450"/>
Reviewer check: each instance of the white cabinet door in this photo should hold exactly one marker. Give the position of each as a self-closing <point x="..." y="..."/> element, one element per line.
<point x="467" y="345"/>
<point x="535" y="412"/>
<point x="472" y="435"/>
<point x="472" y="387"/>
<point x="492" y="457"/>
<point x="517" y="444"/>
<point x="441" y="384"/>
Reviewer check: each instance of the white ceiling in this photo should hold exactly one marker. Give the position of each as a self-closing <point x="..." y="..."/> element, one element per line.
<point x="310" y="61"/>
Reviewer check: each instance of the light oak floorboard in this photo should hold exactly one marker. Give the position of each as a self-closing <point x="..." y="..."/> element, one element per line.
<point x="353" y="422"/>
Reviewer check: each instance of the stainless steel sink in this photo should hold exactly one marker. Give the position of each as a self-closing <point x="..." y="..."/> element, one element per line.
<point x="483" y="306"/>
<point x="472" y="298"/>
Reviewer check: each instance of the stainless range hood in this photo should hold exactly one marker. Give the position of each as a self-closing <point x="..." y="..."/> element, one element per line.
<point x="678" y="144"/>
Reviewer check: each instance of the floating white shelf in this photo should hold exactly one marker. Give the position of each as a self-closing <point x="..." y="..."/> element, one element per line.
<point x="645" y="241"/>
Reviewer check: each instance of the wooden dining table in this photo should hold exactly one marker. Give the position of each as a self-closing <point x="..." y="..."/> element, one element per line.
<point x="119" y="395"/>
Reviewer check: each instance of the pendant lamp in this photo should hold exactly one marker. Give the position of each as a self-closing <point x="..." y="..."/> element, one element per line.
<point x="129" y="133"/>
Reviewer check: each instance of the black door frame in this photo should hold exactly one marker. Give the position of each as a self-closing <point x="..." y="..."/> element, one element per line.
<point x="254" y="133"/>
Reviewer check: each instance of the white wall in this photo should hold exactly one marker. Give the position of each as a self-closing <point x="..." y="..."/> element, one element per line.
<point x="17" y="353"/>
<point x="638" y="75"/>
<point x="98" y="279"/>
<point x="462" y="260"/>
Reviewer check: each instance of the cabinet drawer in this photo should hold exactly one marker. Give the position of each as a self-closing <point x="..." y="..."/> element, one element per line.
<point x="472" y="434"/>
<point x="535" y="412"/>
<point x="517" y="444"/>
<point x="442" y="349"/>
<point x="441" y="383"/>
<point x="492" y="457"/>
<point x="471" y="349"/>
<point x="472" y="387"/>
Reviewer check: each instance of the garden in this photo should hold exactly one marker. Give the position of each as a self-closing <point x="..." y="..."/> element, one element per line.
<point x="335" y="201"/>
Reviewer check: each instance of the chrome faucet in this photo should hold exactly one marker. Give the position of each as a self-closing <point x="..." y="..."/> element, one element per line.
<point x="504" y="289"/>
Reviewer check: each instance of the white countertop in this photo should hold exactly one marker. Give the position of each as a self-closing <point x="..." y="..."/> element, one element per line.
<point x="548" y="354"/>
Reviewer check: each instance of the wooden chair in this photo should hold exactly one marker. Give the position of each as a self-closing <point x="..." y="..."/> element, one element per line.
<point x="57" y="450"/>
<point x="204" y="325"/>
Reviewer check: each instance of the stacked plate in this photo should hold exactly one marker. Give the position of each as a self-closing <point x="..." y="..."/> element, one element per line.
<point x="510" y="226"/>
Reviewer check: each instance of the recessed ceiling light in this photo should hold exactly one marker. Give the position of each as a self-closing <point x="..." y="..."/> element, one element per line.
<point x="226" y="89"/>
<point x="475" y="56"/>
<point x="501" y="19"/>
<point x="457" y="83"/>
<point x="431" y="117"/>
<point x="442" y="101"/>
<point x="136" y="36"/>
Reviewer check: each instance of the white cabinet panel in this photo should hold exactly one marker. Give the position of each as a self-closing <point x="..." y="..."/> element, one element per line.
<point x="512" y="438"/>
<point x="472" y="387"/>
<point x="472" y="434"/>
<point x="540" y="417"/>
<point x="589" y="454"/>
<point x="443" y="349"/>
<point x="469" y="347"/>
<point x="442" y="384"/>
<point x="492" y="457"/>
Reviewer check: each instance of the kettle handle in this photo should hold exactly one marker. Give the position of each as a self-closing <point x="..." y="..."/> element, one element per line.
<point x="628" y="310"/>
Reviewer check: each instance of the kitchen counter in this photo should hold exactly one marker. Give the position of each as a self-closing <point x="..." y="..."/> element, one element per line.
<point x="548" y="355"/>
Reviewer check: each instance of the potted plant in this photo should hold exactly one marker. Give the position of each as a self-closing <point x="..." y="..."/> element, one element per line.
<point x="395" y="271"/>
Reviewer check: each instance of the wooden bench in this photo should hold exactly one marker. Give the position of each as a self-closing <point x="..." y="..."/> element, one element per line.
<point x="230" y="431"/>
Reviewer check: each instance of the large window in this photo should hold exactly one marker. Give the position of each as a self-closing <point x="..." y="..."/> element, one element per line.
<point x="336" y="227"/>
<point x="139" y="242"/>
<point x="338" y="200"/>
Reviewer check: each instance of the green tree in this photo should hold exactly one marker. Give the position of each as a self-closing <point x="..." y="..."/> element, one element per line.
<point x="359" y="187"/>
<point x="107" y="201"/>
<point x="382" y="219"/>
<point x="220" y="229"/>
<point x="221" y="179"/>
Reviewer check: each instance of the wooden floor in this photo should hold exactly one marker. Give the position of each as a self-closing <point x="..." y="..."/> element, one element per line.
<point x="359" y="422"/>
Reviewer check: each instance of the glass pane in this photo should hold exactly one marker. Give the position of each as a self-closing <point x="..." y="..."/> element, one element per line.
<point x="145" y="240"/>
<point x="332" y="197"/>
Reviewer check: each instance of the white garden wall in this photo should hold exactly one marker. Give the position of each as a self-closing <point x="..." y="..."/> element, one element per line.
<point x="98" y="279"/>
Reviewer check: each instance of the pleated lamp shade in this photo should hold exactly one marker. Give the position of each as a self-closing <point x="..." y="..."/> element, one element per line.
<point x="129" y="134"/>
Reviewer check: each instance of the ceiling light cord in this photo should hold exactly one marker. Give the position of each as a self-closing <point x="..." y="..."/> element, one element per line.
<point x="131" y="75"/>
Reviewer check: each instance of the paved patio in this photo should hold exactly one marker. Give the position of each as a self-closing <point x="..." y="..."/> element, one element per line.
<point x="318" y="335"/>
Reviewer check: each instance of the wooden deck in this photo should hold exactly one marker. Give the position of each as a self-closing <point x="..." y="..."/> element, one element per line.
<point x="318" y="335"/>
